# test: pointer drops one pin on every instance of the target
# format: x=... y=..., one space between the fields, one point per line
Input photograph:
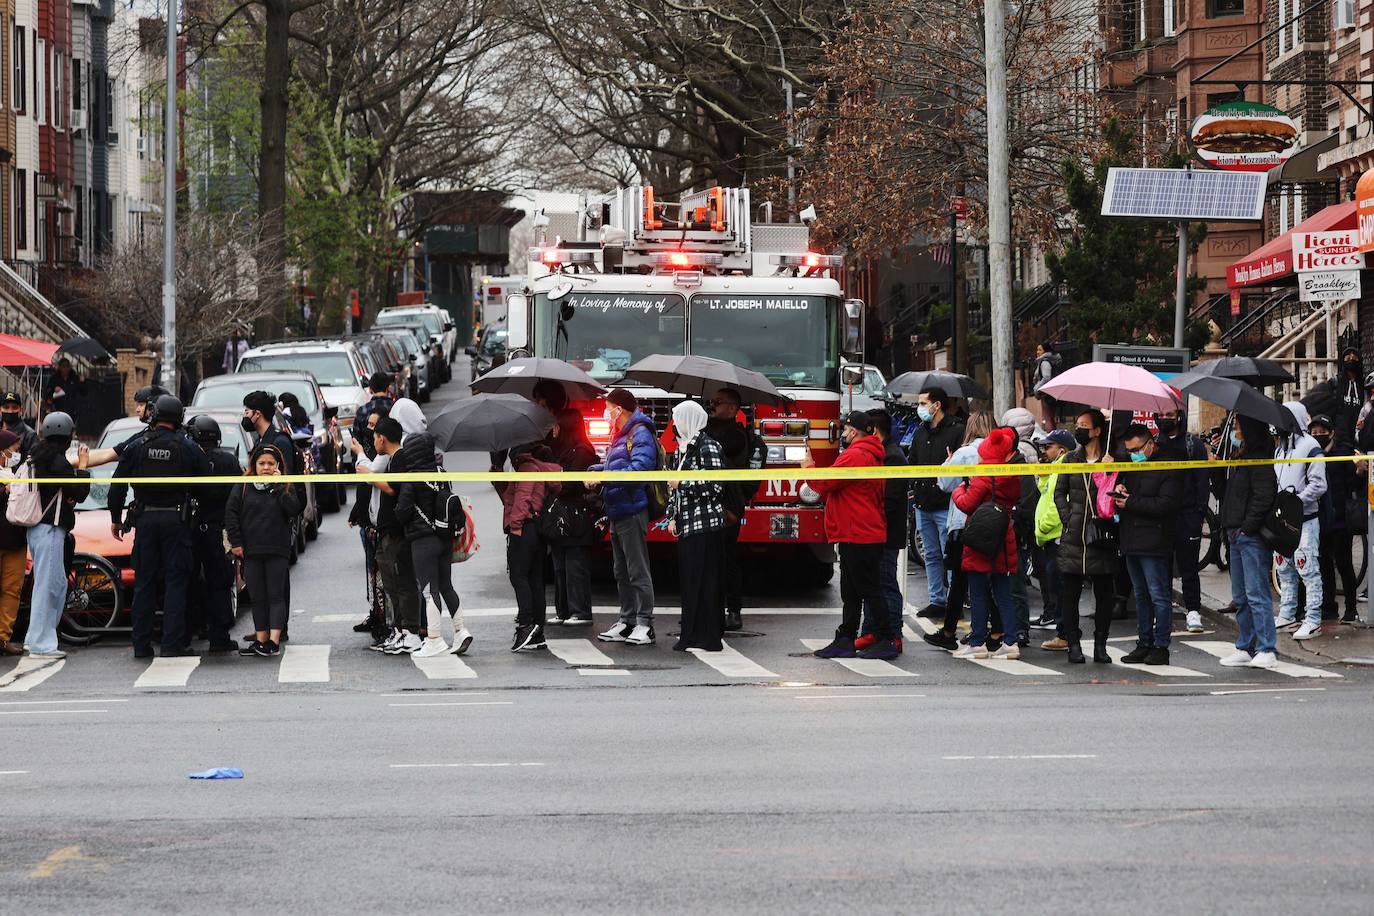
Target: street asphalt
x=763 y=781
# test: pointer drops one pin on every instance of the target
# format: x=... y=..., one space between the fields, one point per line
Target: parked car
x=384 y=354
x=335 y=363
x=436 y=322
x=227 y=391
x=424 y=365
x=490 y=351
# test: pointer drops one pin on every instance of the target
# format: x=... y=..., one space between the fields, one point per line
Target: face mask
x=610 y=416
x=11 y=419
x=248 y=425
x=1323 y=440
x=1139 y=456
x=925 y=413
x=1167 y=425
x=13 y=461
x=1236 y=440
x=1082 y=436
x=1352 y=365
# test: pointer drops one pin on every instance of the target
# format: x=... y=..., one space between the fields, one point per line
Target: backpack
x=564 y=520
x=1282 y=527
x=25 y=508
x=450 y=515
x=656 y=490
x=986 y=529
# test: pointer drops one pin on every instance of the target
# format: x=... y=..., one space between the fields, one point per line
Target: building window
x=40 y=228
x=1140 y=20
x=1346 y=16
x=109 y=106
x=78 y=98
x=21 y=209
x=1216 y=9
x=1284 y=224
x=17 y=56
x=59 y=101
x=1170 y=17
x=1297 y=20
x=40 y=81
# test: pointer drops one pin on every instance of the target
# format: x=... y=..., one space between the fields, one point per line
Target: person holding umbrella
x=521 y=503
x=572 y=577
x=1343 y=518
x=1250 y=493
x=1148 y=503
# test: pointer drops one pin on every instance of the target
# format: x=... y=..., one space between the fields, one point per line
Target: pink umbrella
x=1112 y=386
x=25 y=351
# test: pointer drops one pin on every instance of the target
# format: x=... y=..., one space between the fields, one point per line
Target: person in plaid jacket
x=696 y=517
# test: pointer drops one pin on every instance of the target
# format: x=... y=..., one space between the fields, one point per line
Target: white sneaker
x=1264 y=660
x=1283 y=622
x=1237 y=659
x=407 y=644
x=616 y=633
x=968 y=651
x=1009 y=651
x=462 y=639
x=640 y=636
x=55 y=653
x=430 y=648
x=1194 y=622
x=1307 y=631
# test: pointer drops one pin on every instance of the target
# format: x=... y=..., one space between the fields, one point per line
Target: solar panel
x=1184 y=194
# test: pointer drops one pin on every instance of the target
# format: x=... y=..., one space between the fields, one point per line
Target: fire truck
x=630 y=276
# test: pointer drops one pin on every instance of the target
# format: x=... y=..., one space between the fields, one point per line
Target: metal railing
x=33 y=308
x=1252 y=331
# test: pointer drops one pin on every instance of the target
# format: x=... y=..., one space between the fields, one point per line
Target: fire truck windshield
x=603 y=332
x=793 y=340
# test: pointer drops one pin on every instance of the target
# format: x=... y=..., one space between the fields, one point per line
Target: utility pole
x=999 y=205
x=169 y=210
x=1181 y=284
x=955 y=337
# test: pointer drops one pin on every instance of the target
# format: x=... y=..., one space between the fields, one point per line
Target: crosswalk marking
x=29 y=673
x=304 y=664
x=1223 y=649
x=441 y=667
x=1161 y=670
x=332 y=618
x=1015 y=667
x=729 y=662
x=167 y=672
x=868 y=667
x=603 y=672
x=579 y=652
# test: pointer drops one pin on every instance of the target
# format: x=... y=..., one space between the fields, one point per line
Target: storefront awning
x=1303 y=165
x=1273 y=260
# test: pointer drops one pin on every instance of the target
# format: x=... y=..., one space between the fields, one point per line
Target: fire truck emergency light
x=687 y=259
x=558 y=257
x=810 y=261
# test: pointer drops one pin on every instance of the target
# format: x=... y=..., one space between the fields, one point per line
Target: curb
x=1326 y=653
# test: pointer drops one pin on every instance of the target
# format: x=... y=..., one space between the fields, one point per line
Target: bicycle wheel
x=95 y=600
x=1218 y=550
x=1360 y=549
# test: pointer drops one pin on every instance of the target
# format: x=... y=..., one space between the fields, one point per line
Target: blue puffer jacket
x=625 y=499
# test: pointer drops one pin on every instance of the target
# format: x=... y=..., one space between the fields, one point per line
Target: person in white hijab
x=696 y=517
x=408 y=414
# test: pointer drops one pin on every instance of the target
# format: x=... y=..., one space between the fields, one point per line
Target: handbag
x=465 y=544
x=564 y=520
x=1282 y=526
x=1103 y=503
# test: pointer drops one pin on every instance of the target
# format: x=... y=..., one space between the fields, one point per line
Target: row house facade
x=67 y=71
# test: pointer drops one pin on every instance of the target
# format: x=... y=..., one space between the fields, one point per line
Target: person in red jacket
x=989 y=576
x=856 y=525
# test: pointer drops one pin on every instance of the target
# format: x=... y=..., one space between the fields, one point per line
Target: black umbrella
x=82 y=347
x=490 y=423
x=954 y=384
x=1233 y=394
x=1253 y=370
x=519 y=376
x=702 y=376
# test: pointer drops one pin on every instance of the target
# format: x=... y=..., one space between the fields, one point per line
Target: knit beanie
x=997 y=445
x=622 y=399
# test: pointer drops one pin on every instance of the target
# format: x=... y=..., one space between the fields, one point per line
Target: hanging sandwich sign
x=1364 y=210
x=1244 y=137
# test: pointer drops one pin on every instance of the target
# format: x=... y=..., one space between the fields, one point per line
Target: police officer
x=162 y=539
x=212 y=575
x=143 y=406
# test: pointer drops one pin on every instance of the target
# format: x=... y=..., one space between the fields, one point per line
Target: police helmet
x=149 y=393
x=1369 y=380
x=57 y=425
x=167 y=409
x=205 y=430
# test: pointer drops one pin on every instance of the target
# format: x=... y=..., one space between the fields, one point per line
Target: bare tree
x=221 y=261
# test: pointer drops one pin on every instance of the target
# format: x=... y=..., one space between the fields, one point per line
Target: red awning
x=1274 y=259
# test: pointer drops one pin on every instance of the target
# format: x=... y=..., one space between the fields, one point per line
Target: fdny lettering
x=159 y=454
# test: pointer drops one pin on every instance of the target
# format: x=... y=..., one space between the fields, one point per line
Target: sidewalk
x=1338 y=643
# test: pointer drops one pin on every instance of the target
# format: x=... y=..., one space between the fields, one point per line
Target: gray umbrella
x=519 y=376
x=1254 y=370
x=83 y=347
x=1233 y=394
x=954 y=384
x=702 y=376
x=490 y=423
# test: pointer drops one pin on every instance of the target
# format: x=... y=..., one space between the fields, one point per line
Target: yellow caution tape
x=803 y=474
